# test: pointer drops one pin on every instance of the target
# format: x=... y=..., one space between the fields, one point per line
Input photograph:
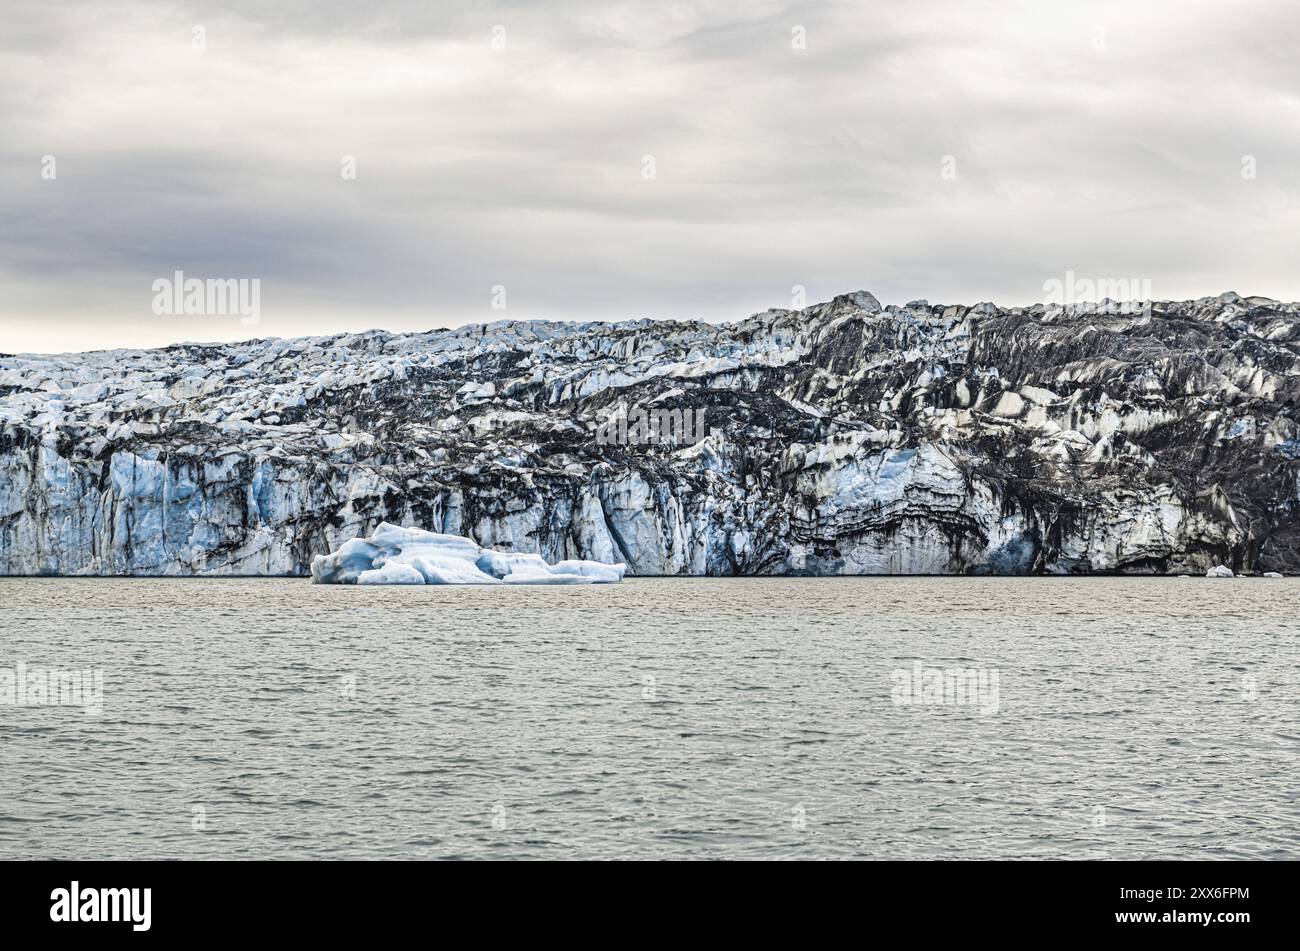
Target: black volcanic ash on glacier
x=843 y=438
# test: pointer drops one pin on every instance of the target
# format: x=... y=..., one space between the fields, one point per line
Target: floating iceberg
x=394 y=555
x=1220 y=571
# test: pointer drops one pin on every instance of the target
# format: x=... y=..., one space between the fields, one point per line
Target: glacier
x=846 y=437
x=396 y=555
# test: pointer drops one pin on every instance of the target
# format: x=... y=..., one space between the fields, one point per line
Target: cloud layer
x=956 y=151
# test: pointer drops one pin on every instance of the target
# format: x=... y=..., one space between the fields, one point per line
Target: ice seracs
x=396 y=555
x=847 y=437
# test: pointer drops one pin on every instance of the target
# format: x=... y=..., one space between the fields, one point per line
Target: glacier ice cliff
x=844 y=438
x=395 y=555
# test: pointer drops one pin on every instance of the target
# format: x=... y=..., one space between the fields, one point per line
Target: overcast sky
x=957 y=151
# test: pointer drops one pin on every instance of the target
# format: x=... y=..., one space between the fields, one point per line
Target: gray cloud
x=1108 y=140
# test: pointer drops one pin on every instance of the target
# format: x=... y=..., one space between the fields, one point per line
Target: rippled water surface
x=658 y=718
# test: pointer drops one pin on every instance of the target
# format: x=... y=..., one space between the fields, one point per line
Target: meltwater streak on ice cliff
x=844 y=438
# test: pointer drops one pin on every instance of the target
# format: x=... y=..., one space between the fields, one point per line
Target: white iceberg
x=1220 y=571
x=395 y=555
x=1273 y=574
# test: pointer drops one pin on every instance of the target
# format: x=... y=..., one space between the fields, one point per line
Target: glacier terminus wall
x=844 y=438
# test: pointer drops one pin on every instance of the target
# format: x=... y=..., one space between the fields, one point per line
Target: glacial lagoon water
x=660 y=718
